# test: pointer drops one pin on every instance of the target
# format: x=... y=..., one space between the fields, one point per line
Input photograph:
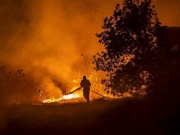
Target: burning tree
x=131 y=48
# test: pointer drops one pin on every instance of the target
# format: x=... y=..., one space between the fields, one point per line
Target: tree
x=131 y=47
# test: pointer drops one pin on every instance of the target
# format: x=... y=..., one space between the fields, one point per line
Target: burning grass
x=63 y=98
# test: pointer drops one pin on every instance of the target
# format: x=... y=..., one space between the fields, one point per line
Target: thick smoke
x=48 y=40
x=52 y=41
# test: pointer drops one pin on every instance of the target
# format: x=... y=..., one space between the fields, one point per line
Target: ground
x=123 y=116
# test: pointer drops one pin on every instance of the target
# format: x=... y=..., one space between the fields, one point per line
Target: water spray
x=90 y=90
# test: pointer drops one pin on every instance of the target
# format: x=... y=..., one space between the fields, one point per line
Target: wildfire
x=75 y=94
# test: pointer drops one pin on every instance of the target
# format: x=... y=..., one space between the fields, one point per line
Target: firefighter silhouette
x=86 y=88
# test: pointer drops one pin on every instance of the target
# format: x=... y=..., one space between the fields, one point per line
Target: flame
x=65 y=97
x=70 y=96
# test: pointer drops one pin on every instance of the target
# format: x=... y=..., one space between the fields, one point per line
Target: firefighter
x=86 y=88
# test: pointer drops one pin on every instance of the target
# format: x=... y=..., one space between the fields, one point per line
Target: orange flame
x=69 y=96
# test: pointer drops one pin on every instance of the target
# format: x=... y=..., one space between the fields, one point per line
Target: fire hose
x=99 y=94
x=73 y=91
x=90 y=90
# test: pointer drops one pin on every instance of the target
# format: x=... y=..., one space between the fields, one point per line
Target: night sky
x=47 y=37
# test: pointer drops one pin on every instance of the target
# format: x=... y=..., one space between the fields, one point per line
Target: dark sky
x=47 y=37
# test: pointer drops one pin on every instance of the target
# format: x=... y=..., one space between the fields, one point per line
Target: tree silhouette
x=131 y=47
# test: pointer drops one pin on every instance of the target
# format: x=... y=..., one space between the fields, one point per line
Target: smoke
x=53 y=42
x=46 y=39
x=168 y=11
